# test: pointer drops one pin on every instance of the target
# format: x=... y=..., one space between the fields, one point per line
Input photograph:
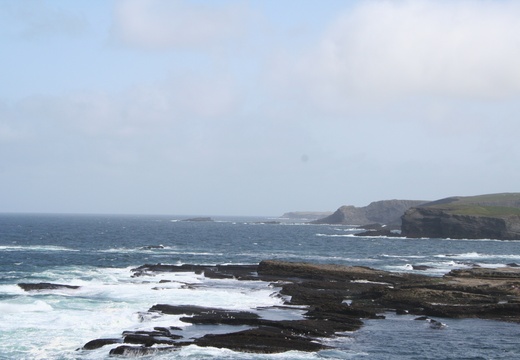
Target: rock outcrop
x=305 y=215
x=45 y=286
x=199 y=219
x=495 y=216
x=337 y=299
x=387 y=212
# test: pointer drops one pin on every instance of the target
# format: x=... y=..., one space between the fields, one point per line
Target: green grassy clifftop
x=495 y=216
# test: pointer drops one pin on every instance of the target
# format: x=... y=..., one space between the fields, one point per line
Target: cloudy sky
x=255 y=107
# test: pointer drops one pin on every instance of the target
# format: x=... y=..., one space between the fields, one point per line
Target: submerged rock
x=135 y=351
x=421 y=267
x=152 y=247
x=381 y=232
x=199 y=219
x=434 y=324
x=45 y=286
x=210 y=271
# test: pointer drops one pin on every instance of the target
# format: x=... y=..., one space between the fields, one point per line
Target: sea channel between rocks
x=336 y=300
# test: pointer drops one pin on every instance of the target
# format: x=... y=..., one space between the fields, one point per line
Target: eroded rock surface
x=45 y=286
x=261 y=340
x=337 y=299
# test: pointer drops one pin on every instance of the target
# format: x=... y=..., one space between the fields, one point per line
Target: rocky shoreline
x=336 y=300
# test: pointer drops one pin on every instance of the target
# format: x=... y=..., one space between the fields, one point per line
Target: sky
x=255 y=107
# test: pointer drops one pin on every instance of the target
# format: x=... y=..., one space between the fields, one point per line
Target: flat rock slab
x=262 y=340
x=487 y=273
x=330 y=272
x=98 y=343
x=242 y=272
x=209 y=312
x=45 y=286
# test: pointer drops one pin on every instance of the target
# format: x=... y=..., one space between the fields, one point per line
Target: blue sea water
x=97 y=253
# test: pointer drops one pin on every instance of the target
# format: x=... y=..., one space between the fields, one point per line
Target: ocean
x=97 y=253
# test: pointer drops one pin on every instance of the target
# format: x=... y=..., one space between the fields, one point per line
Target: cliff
x=387 y=212
x=305 y=215
x=492 y=216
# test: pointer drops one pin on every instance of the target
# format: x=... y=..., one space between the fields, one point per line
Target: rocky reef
x=199 y=219
x=305 y=215
x=336 y=299
x=387 y=212
x=493 y=216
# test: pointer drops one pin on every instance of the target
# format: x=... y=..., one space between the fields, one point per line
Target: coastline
x=336 y=299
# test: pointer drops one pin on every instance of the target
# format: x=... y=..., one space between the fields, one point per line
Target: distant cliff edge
x=386 y=212
x=492 y=216
x=306 y=215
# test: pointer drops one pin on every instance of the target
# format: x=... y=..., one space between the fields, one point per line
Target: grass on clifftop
x=495 y=198
x=492 y=205
x=476 y=210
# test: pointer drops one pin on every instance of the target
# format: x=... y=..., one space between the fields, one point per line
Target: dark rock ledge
x=199 y=219
x=45 y=286
x=338 y=298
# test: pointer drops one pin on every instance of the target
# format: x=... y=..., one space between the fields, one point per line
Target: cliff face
x=495 y=216
x=389 y=211
x=386 y=212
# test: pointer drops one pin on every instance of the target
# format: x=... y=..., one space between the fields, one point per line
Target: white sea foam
x=435 y=268
x=36 y=306
x=476 y=255
x=35 y=248
x=404 y=256
x=355 y=236
x=337 y=235
x=166 y=250
x=475 y=240
x=314 y=258
x=196 y=352
x=488 y=265
x=110 y=301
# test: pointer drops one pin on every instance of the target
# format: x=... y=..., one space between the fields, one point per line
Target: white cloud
x=12 y=128
x=388 y=49
x=33 y=19
x=9 y=134
x=178 y=23
x=147 y=108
